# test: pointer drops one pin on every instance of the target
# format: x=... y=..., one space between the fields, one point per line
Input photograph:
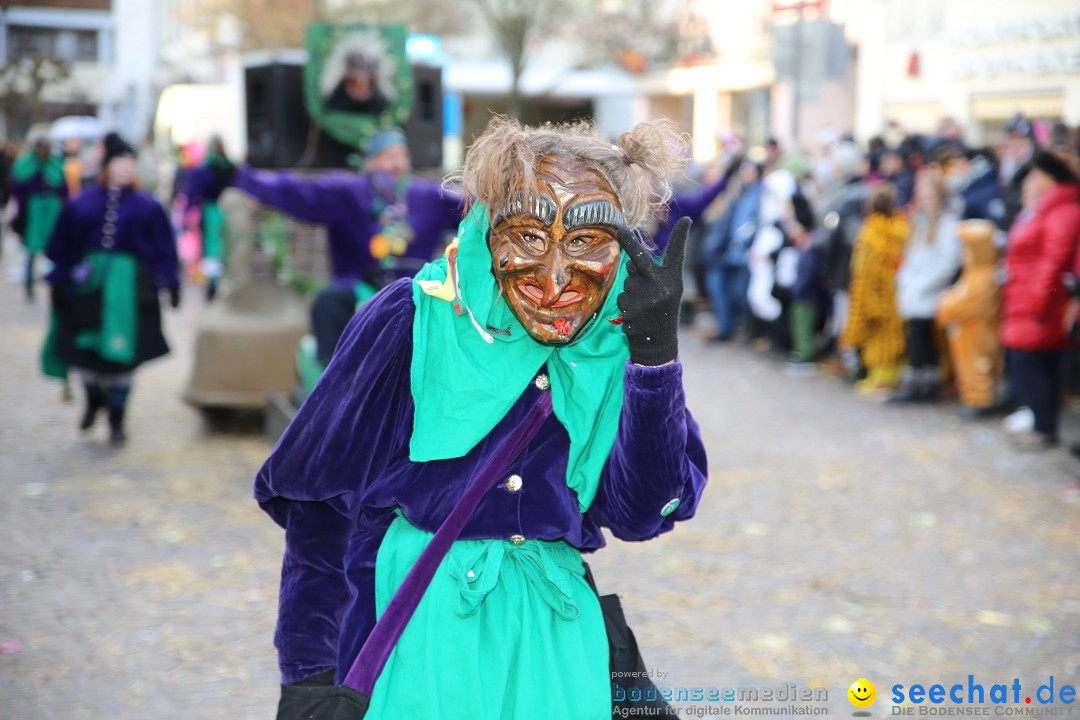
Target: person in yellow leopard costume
x=875 y=329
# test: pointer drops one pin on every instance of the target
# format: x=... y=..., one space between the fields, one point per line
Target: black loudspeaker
x=279 y=132
x=281 y=135
x=424 y=128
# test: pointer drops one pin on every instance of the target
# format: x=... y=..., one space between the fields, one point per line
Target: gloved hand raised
x=652 y=296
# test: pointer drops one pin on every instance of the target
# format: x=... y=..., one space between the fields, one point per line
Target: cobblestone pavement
x=839 y=538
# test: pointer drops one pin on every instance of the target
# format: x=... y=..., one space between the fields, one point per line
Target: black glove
x=652 y=296
x=174 y=296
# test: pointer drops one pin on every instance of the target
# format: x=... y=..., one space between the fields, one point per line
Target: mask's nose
x=556 y=277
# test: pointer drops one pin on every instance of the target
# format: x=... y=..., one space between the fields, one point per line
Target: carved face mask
x=555 y=251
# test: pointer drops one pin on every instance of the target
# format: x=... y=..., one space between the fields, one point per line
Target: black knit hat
x=114 y=147
x=1054 y=166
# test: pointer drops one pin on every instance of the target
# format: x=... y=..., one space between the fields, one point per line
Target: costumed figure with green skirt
x=113 y=253
x=549 y=292
x=39 y=189
x=205 y=186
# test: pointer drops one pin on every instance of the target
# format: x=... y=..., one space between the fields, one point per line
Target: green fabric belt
x=115 y=275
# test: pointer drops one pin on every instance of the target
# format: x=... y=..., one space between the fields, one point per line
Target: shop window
x=70 y=45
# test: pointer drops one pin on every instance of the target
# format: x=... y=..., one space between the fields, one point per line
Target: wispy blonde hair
x=501 y=162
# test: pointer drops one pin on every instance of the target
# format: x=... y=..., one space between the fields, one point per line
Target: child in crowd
x=931 y=263
x=808 y=296
x=970 y=311
x=875 y=330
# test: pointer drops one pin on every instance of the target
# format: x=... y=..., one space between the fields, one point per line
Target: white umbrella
x=86 y=127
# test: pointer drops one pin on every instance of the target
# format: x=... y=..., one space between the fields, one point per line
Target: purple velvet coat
x=343 y=202
x=142 y=229
x=343 y=465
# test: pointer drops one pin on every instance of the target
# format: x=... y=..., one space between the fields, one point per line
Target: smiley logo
x=862 y=693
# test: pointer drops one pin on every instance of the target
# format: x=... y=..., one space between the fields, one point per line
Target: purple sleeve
x=313 y=200
x=65 y=248
x=691 y=204
x=440 y=208
x=658 y=458
x=448 y=204
x=161 y=255
x=312 y=481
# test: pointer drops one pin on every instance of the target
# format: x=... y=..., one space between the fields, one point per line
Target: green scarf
x=42 y=208
x=28 y=165
x=114 y=274
x=465 y=379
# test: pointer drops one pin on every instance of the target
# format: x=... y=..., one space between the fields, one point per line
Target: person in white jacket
x=777 y=189
x=930 y=265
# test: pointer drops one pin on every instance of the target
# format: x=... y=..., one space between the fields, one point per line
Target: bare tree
x=436 y=17
x=22 y=83
x=263 y=23
x=518 y=25
x=641 y=34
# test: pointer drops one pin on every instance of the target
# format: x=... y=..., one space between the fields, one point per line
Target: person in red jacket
x=1040 y=252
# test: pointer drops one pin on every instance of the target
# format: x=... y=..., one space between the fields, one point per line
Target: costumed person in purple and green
x=548 y=288
x=382 y=224
x=39 y=189
x=113 y=252
x=205 y=186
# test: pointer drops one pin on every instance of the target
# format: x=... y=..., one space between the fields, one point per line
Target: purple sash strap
x=369 y=663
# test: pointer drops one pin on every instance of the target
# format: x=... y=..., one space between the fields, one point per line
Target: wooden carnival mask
x=555 y=252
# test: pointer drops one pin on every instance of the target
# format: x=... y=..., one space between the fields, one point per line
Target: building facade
x=78 y=33
x=977 y=61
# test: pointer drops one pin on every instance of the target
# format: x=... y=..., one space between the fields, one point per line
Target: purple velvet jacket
x=343 y=202
x=342 y=466
x=142 y=229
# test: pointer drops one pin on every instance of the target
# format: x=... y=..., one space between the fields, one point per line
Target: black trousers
x=1038 y=379
x=331 y=311
x=922 y=352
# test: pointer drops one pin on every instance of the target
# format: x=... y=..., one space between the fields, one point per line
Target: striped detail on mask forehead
x=536 y=206
x=593 y=212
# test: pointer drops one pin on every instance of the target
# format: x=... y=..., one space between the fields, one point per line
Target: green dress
x=504 y=632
